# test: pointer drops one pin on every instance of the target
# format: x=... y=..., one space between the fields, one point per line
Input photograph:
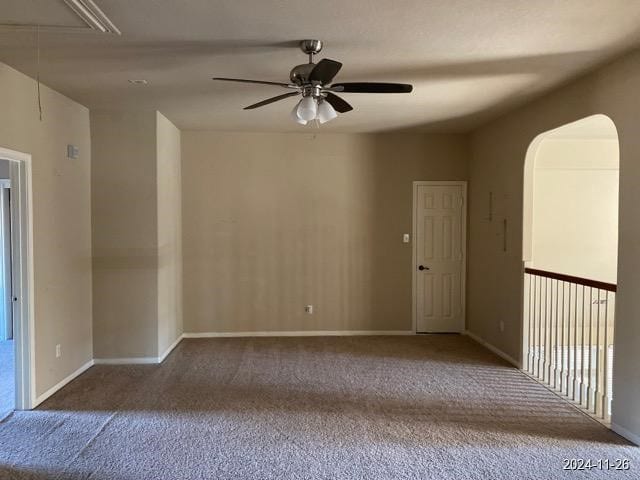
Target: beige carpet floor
x=424 y=407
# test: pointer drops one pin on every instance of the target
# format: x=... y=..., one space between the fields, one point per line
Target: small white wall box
x=405 y=238
x=73 y=151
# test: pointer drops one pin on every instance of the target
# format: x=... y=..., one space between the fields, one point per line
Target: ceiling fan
x=313 y=81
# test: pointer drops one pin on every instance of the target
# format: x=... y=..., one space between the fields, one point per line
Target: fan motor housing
x=300 y=73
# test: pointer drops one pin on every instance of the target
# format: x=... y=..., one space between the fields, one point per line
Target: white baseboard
x=139 y=360
x=623 y=432
x=494 y=349
x=301 y=333
x=170 y=349
x=62 y=383
x=127 y=361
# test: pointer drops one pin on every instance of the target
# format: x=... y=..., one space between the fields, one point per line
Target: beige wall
x=495 y=277
x=273 y=222
x=575 y=207
x=137 y=248
x=125 y=237
x=61 y=220
x=169 y=197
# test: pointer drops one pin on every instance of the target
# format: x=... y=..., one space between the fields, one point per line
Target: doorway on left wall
x=7 y=343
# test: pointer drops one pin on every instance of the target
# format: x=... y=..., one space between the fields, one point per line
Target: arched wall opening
x=570 y=251
x=573 y=169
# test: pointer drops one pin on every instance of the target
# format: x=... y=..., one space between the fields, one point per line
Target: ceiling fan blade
x=271 y=100
x=337 y=103
x=242 y=80
x=324 y=71
x=371 y=87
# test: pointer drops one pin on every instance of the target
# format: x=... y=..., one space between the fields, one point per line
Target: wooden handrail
x=587 y=282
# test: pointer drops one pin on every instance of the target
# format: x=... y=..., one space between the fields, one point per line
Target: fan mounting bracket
x=311 y=47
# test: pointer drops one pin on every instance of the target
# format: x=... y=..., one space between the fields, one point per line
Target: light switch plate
x=405 y=238
x=73 y=152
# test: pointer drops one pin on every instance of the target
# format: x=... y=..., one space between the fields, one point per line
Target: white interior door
x=439 y=256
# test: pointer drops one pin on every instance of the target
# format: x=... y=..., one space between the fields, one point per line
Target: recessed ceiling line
x=95 y=19
x=88 y=11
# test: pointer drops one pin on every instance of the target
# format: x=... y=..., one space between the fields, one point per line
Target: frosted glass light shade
x=294 y=115
x=326 y=112
x=307 y=108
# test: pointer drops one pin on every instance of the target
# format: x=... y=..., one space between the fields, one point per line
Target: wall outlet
x=58 y=351
x=501 y=326
x=308 y=309
x=405 y=238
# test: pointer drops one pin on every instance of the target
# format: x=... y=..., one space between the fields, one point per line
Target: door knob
x=422 y=267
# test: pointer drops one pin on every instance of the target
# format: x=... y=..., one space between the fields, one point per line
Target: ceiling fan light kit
x=296 y=117
x=307 y=109
x=313 y=82
x=326 y=112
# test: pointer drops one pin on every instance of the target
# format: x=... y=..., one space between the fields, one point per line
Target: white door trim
x=23 y=278
x=463 y=276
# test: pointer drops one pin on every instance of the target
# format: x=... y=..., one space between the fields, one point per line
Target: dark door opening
x=7 y=342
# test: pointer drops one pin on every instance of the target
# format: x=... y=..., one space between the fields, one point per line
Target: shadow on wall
x=273 y=222
x=508 y=82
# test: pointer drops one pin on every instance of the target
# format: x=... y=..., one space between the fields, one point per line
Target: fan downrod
x=300 y=73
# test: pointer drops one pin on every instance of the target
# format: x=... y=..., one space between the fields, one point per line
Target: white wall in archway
x=572 y=200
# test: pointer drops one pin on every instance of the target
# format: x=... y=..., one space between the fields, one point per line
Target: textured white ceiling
x=468 y=60
x=39 y=12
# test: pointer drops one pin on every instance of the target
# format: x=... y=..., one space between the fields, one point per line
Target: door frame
x=414 y=255
x=22 y=276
